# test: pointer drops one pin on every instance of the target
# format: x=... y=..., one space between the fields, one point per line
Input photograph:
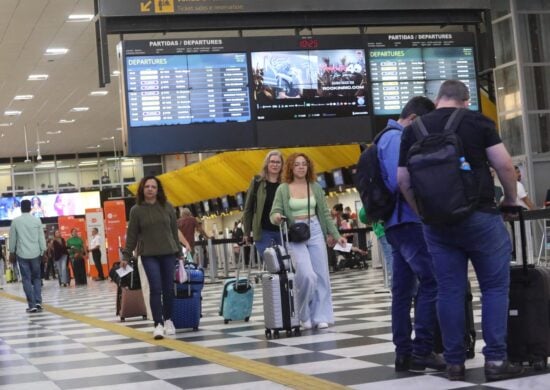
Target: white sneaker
x=158 y=333
x=169 y=328
x=306 y=325
x=322 y=325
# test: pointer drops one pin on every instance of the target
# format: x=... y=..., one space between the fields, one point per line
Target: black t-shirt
x=270 y=189
x=477 y=133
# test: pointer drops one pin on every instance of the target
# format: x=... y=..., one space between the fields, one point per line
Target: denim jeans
x=160 y=274
x=482 y=237
x=62 y=274
x=268 y=236
x=312 y=276
x=412 y=262
x=32 y=283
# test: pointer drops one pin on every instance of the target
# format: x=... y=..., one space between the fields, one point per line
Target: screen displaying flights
x=407 y=65
x=309 y=83
x=182 y=89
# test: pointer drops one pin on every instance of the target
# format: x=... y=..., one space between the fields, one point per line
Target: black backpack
x=444 y=193
x=378 y=200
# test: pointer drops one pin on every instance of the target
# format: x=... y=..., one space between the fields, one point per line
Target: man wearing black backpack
x=411 y=260
x=455 y=199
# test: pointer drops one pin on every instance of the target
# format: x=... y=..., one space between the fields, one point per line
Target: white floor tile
x=326 y=366
x=67 y=358
x=17 y=370
x=424 y=382
x=151 y=357
x=90 y=372
x=199 y=370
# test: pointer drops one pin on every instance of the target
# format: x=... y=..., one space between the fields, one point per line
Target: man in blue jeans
x=411 y=260
x=481 y=237
x=27 y=245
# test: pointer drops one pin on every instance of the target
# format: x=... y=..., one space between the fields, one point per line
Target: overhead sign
x=114 y=8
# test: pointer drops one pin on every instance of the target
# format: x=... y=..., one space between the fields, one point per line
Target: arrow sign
x=145 y=6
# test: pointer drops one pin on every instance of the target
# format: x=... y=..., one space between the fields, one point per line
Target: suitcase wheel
x=195 y=328
x=276 y=334
x=289 y=333
x=144 y=317
x=246 y=319
x=226 y=322
x=267 y=334
x=297 y=332
x=122 y=319
x=470 y=353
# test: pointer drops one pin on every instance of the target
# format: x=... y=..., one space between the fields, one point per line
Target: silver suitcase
x=276 y=257
x=280 y=307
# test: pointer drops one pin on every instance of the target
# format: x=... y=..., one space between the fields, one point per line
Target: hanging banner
x=94 y=219
x=67 y=224
x=115 y=228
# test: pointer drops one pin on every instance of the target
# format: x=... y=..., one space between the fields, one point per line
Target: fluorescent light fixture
x=54 y=51
x=6 y=124
x=118 y=129
x=54 y=132
x=37 y=77
x=12 y=113
x=80 y=17
x=115 y=73
x=93 y=147
x=107 y=138
x=99 y=93
x=79 y=109
x=67 y=120
x=23 y=97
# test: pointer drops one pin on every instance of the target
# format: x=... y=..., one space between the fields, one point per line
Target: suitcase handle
x=518 y=211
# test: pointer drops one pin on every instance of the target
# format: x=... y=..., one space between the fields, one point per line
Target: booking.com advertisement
x=50 y=205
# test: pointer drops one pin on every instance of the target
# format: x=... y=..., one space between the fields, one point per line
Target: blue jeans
x=482 y=237
x=160 y=274
x=312 y=276
x=32 y=283
x=268 y=236
x=412 y=262
x=62 y=274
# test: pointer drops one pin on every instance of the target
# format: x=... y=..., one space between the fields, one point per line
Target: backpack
x=378 y=200
x=445 y=191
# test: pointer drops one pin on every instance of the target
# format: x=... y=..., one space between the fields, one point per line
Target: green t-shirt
x=75 y=244
x=378 y=229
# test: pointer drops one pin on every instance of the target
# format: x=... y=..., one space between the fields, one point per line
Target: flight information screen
x=187 y=88
x=407 y=65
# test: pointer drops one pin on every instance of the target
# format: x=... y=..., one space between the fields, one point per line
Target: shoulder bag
x=299 y=231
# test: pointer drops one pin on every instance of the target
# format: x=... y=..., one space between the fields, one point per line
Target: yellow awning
x=230 y=172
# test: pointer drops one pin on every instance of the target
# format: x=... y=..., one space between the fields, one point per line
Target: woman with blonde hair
x=259 y=200
x=301 y=199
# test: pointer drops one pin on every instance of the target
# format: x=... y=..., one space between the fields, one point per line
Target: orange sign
x=68 y=223
x=115 y=228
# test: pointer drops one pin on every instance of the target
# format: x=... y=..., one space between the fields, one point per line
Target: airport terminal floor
x=77 y=342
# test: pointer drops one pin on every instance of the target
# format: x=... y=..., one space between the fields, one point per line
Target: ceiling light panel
x=12 y=113
x=79 y=109
x=66 y=120
x=6 y=124
x=23 y=97
x=80 y=17
x=54 y=51
x=37 y=77
x=99 y=93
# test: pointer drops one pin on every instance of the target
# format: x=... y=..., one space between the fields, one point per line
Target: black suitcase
x=79 y=270
x=529 y=310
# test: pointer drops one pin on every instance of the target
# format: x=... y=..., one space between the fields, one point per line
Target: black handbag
x=299 y=231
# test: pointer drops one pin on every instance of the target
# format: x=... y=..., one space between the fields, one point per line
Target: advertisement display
x=114 y=212
x=50 y=205
x=94 y=219
x=67 y=224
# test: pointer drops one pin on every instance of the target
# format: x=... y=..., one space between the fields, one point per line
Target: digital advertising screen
x=309 y=83
x=50 y=205
x=406 y=65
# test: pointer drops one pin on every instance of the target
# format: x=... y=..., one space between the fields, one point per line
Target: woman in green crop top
x=310 y=257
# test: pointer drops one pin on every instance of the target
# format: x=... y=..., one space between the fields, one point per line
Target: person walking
x=410 y=269
x=259 y=199
x=60 y=257
x=95 y=248
x=480 y=235
x=153 y=225
x=27 y=245
x=301 y=199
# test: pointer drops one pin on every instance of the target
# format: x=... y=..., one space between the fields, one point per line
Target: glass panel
x=539 y=129
x=503 y=40
x=5 y=180
x=507 y=90
x=511 y=134
x=534 y=30
x=89 y=172
x=533 y=5
x=537 y=85
x=45 y=178
x=23 y=167
x=24 y=183
x=130 y=169
x=499 y=8
x=67 y=174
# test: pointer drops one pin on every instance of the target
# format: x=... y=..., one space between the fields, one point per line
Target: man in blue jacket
x=412 y=264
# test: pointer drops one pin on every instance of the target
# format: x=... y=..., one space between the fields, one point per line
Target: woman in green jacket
x=259 y=200
x=310 y=257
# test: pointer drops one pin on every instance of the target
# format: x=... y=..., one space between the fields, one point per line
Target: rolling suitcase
x=186 y=307
x=130 y=302
x=79 y=270
x=279 y=298
x=529 y=309
x=237 y=295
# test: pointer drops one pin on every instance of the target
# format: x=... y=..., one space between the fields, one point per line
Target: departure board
x=187 y=88
x=407 y=65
